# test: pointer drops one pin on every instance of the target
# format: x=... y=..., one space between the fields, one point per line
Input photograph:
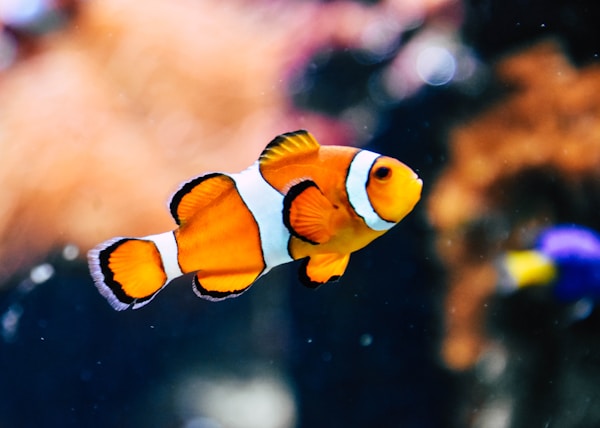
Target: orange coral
x=531 y=160
x=101 y=121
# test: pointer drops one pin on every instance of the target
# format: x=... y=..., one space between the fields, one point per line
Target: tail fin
x=129 y=272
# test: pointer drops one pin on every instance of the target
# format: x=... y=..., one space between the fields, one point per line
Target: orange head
x=393 y=188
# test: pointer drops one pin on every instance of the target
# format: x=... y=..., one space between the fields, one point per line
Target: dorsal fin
x=197 y=194
x=286 y=146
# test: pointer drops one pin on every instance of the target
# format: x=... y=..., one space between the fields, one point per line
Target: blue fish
x=565 y=257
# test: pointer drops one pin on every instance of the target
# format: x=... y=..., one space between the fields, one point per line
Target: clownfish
x=298 y=201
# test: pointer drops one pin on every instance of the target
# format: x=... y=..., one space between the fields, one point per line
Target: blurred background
x=106 y=106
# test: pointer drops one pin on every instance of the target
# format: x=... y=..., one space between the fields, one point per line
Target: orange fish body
x=298 y=201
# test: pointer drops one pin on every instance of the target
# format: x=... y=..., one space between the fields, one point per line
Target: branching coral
x=531 y=160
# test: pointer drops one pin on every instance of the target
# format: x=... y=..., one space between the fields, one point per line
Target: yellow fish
x=298 y=201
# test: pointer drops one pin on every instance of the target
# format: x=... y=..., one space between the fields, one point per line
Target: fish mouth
x=419 y=183
x=412 y=193
x=415 y=178
x=417 y=189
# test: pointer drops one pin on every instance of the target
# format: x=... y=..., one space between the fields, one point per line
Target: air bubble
x=366 y=340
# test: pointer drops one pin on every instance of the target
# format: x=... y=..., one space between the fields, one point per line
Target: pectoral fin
x=307 y=213
x=319 y=269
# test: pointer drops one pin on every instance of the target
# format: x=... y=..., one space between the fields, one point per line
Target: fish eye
x=382 y=173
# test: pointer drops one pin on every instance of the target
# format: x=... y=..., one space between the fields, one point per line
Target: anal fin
x=322 y=268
